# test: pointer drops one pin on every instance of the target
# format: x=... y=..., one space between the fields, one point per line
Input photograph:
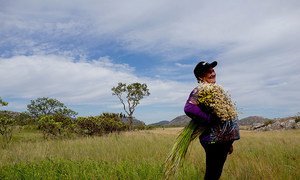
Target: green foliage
x=133 y=94
x=6 y=124
x=58 y=125
x=3 y=103
x=297 y=119
x=86 y=169
x=55 y=125
x=99 y=125
x=21 y=119
x=139 y=127
x=48 y=106
x=6 y=128
x=24 y=118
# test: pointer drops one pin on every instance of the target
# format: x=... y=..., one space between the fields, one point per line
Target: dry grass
x=140 y=155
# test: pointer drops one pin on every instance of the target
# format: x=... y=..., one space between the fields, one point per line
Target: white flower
x=217 y=101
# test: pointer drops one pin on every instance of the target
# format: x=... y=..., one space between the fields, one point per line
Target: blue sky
x=75 y=51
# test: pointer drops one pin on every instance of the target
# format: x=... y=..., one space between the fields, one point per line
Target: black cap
x=202 y=67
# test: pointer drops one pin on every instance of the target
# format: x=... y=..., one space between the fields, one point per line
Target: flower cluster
x=217 y=101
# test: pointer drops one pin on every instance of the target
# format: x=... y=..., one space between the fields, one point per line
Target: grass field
x=140 y=155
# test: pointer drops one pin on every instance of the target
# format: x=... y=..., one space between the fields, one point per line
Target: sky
x=76 y=50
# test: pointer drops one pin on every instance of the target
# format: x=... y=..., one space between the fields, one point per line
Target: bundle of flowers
x=216 y=101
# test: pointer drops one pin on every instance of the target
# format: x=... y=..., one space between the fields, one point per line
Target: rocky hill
x=160 y=123
x=135 y=122
x=277 y=124
x=250 y=123
x=180 y=121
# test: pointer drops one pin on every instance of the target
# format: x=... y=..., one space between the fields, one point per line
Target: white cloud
x=56 y=76
x=256 y=43
x=173 y=29
x=80 y=82
x=268 y=82
x=180 y=65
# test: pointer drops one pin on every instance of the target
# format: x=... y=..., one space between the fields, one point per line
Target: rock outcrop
x=277 y=125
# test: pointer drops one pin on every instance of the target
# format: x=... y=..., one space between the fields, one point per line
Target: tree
x=3 y=103
x=133 y=94
x=6 y=128
x=47 y=106
x=6 y=125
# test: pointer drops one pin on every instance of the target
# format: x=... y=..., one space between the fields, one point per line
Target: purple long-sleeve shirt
x=194 y=111
x=217 y=131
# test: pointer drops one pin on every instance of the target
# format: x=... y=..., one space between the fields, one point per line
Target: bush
x=25 y=119
x=297 y=119
x=140 y=127
x=6 y=128
x=55 y=125
x=21 y=119
x=99 y=125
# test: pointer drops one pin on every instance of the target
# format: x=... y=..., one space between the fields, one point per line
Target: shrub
x=87 y=126
x=24 y=119
x=99 y=125
x=140 y=127
x=297 y=118
x=56 y=125
x=6 y=128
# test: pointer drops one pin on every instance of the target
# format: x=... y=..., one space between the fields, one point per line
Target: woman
x=218 y=136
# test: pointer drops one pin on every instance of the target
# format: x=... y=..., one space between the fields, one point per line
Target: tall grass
x=141 y=154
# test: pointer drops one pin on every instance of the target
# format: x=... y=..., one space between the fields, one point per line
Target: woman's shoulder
x=195 y=91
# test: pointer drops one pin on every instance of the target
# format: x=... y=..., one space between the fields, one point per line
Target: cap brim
x=213 y=64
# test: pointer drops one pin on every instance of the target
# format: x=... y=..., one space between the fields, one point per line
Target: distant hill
x=160 y=123
x=183 y=120
x=278 y=124
x=248 y=121
x=135 y=122
x=180 y=121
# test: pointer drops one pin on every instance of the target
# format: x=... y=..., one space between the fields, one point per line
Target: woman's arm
x=193 y=110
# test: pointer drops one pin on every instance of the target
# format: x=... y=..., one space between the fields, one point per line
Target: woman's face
x=209 y=76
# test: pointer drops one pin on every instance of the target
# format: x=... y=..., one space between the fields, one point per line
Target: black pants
x=216 y=155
